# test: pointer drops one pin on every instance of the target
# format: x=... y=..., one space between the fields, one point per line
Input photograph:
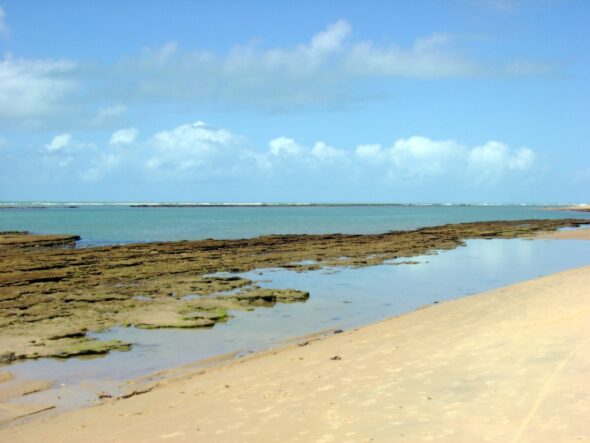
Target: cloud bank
x=194 y=152
x=329 y=70
x=32 y=89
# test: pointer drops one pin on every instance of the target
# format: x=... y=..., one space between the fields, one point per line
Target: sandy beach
x=509 y=365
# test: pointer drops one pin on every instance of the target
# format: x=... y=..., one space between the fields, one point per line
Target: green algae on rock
x=264 y=296
x=91 y=347
x=23 y=239
x=51 y=295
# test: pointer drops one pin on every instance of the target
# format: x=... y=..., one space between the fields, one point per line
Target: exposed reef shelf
x=50 y=296
x=24 y=239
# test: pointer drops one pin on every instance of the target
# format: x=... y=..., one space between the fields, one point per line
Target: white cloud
x=301 y=60
x=322 y=151
x=298 y=154
x=33 y=88
x=285 y=146
x=429 y=57
x=195 y=137
x=247 y=75
x=63 y=150
x=101 y=165
x=322 y=72
x=65 y=161
x=4 y=30
x=108 y=114
x=414 y=158
x=198 y=150
x=260 y=160
x=329 y=40
x=493 y=159
x=195 y=151
x=370 y=152
x=123 y=137
x=421 y=158
x=191 y=147
x=522 y=160
x=59 y=142
x=317 y=72
x=160 y=55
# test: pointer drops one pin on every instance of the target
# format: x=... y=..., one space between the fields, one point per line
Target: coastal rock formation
x=51 y=295
x=22 y=239
x=261 y=296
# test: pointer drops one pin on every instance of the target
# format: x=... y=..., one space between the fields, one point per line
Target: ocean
x=101 y=224
x=339 y=297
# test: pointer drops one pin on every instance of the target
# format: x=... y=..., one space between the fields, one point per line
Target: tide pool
x=339 y=298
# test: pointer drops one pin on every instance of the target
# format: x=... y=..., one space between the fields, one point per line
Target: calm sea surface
x=123 y=224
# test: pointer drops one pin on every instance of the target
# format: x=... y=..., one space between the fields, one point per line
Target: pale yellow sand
x=510 y=365
x=573 y=234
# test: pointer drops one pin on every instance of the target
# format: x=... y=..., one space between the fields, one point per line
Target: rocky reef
x=52 y=294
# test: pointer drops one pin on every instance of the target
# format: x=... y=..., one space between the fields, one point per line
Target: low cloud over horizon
x=196 y=152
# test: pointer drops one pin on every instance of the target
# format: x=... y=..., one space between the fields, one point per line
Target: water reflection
x=343 y=299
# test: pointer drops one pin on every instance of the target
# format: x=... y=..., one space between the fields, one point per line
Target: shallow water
x=120 y=224
x=340 y=298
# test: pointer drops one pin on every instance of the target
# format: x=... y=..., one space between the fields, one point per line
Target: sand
x=573 y=234
x=509 y=365
x=576 y=208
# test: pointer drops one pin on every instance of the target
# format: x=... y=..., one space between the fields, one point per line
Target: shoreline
x=136 y=387
x=578 y=208
x=51 y=298
x=512 y=354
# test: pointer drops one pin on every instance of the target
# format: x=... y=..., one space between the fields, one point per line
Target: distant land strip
x=75 y=205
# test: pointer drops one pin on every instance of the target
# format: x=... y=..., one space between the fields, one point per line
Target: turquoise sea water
x=123 y=224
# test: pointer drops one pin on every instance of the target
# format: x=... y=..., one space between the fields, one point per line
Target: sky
x=480 y=101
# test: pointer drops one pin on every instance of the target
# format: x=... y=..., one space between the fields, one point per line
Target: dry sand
x=510 y=365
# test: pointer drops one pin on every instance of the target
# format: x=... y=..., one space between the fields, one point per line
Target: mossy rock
x=91 y=347
x=263 y=296
x=182 y=323
x=216 y=315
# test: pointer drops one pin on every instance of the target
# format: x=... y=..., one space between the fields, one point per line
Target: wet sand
x=509 y=365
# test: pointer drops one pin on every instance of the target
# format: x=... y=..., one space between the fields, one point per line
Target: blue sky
x=425 y=101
